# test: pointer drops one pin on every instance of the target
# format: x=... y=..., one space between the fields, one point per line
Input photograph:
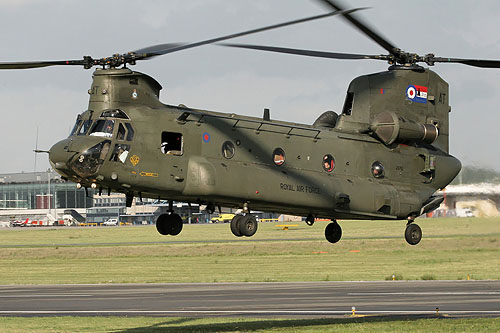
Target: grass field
x=370 y=250
x=148 y=324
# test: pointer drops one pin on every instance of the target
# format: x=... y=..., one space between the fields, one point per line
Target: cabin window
x=116 y=113
x=120 y=153
x=349 y=99
x=171 y=143
x=103 y=128
x=279 y=156
x=228 y=149
x=85 y=127
x=378 y=170
x=328 y=163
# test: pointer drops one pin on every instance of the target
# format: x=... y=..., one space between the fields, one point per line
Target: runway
x=299 y=299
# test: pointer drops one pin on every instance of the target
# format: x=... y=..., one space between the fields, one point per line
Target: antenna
x=36 y=149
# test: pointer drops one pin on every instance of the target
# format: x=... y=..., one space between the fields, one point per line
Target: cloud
x=19 y=3
x=52 y=109
x=292 y=99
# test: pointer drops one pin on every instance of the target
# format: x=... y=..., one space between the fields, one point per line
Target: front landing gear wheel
x=235 y=225
x=310 y=220
x=333 y=232
x=413 y=234
x=169 y=224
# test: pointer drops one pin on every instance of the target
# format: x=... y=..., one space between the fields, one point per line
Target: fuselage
x=131 y=143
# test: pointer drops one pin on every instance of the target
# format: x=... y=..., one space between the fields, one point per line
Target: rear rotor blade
x=363 y=27
x=483 y=63
x=309 y=53
x=157 y=50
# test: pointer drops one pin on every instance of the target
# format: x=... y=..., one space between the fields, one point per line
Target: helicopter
x=382 y=158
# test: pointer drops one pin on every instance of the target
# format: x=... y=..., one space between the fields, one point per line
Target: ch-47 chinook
x=384 y=157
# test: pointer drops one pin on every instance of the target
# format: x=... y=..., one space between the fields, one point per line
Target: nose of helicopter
x=58 y=155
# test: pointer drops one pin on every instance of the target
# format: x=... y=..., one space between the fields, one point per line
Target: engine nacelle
x=390 y=127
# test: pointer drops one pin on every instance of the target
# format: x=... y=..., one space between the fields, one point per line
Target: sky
x=295 y=88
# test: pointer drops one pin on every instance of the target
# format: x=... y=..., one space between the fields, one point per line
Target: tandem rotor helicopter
x=382 y=158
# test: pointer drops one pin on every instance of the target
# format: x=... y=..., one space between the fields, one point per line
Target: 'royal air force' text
x=299 y=188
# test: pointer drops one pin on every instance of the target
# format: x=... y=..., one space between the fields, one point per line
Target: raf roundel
x=411 y=92
x=417 y=93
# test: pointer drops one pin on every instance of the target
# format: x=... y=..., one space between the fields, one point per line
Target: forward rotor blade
x=309 y=53
x=157 y=50
x=363 y=27
x=38 y=64
x=470 y=62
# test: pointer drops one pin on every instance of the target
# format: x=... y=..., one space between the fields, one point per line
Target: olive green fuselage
x=231 y=160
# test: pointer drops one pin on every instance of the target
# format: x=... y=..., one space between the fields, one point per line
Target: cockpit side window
x=349 y=99
x=120 y=153
x=171 y=143
x=130 y=132
x=121 y=132
x=85 y=127
x=103 y=128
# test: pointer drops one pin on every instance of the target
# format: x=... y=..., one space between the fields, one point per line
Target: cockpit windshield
x=103 y=128
x=85 y=127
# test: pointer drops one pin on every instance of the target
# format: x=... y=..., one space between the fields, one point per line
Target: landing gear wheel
x=333 y=232
x=413 y=234
x=248 y=225
x=175 y=225
x=310 y=220
x=169 y=224
x=235 y=225
x=161 y=224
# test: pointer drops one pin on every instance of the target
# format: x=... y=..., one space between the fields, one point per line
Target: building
x=36 y=190
x=44 y=196
x=37 y=194
x=480 y=200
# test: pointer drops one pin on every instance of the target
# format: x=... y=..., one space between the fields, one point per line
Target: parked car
x=110 y=222
x=222 y=218
x=466 y=212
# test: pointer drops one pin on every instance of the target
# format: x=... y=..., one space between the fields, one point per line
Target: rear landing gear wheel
x=169 y=224
x=175 y=224
x=248 y=225
x=235 y=225
x=413 y=234
x=333 y=232
x=310 y=220
x=161 y=224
